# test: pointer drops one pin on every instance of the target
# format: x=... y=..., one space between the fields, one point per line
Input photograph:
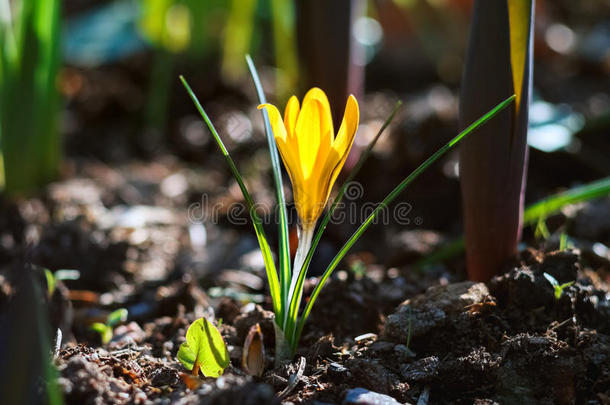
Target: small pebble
x=362 y=396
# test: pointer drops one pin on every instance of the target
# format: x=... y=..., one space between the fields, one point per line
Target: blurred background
x=130 y=161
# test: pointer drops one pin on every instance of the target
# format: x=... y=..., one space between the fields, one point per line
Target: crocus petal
x=288 y=152
x=290 y=115
x=291 y=161
x=345 y=139
x=277 y=125
x=312 y=155
x=327 y=119
x=313 y=145
x=349 y=125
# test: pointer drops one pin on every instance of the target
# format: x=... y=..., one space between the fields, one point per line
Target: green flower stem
x=305 y=237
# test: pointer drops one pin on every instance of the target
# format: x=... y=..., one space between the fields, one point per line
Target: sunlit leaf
x=204 y=350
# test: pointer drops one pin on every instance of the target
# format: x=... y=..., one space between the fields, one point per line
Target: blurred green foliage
x=29 y=100
x=178 y=26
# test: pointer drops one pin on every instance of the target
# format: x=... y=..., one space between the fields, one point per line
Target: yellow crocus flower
x=311 y=152
x=313 y=157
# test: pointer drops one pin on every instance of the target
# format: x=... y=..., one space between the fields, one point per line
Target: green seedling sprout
x=410 y=331
x=288 y=324
x=59 y=275
x=564 y=243
x=556 y=286
x=204 y=350
x=106 y=330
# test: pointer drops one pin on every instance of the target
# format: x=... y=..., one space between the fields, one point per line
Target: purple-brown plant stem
x=493 y=163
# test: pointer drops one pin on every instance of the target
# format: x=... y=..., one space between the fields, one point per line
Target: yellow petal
x=291 y=114
x=349 y=125
x=345 y=139
x=291 y=160
x=277 y=125
x=286 y=146
x=327 y=119
x=313 y=143
x=312 y=155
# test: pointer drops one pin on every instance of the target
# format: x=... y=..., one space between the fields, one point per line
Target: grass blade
x=386 y=201
x=258 y=225
x=554 y=203
x=532 y=214
x=295 y=302
x=284 y=244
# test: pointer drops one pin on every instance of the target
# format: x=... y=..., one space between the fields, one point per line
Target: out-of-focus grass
x=29 y=100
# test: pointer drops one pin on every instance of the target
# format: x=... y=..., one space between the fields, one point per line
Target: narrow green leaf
x=284 y=243
x=272 y=276
x=554 y=203
x=117 y=317
x=542 y=232
x=204 y=349
x=389 y=199
x=295 y=302
x=563 y=241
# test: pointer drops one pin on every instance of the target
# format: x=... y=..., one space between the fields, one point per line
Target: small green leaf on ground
x=104 y=330
x=116 y=317
x=556 y=286
x=204 y=350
